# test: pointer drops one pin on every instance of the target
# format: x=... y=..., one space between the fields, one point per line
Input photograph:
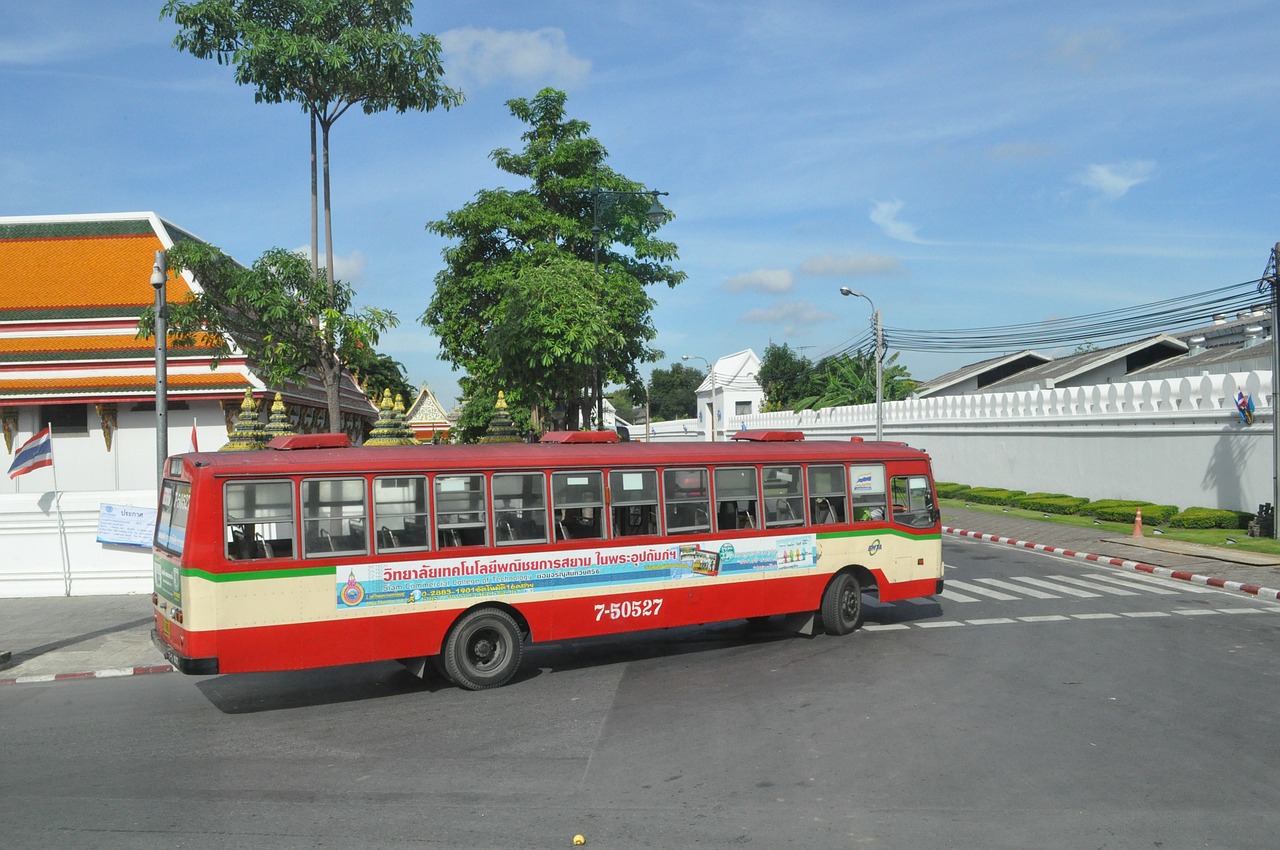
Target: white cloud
x=481 y=57
x=885 y=216
x=349 y=268
x=762 y=280
x=793 y=317
x=830 y=265
x=39 y=51
x=1085 y=49
x=1113 y=181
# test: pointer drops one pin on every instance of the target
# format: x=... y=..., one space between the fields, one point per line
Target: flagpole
x=62 y=525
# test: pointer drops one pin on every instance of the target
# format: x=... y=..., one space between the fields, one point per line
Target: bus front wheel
x=483 y=650
x=842 y=605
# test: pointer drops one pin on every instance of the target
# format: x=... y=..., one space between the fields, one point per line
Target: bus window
x=171 y=528
x=333 y=517
x=688 y=500
x=633 y=495
x=460 y=511
x=912 y=501
x=578 y=500
x=258 y=520
x=868 y=492
x=400 y=513
x=783 y=496
x=736 y=498
x=519 y=508
x=826 y=495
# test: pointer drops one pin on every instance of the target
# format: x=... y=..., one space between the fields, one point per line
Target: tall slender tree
x=327 y=56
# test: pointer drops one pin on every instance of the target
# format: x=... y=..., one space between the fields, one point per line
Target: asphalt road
x=1040 y=702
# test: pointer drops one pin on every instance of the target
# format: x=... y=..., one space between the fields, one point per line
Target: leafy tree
x=846 y=379
x=478 y=411
x=286 y=320
x=624 y=404
x=327 y=55
x=786 y=377
x=519 y=304
x=376 y=372
x=673 y=392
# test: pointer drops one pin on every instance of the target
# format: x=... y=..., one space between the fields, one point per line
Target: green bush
x=1050 y=503
x=1125 y=510
x=1210 y=518
x=992 y=495
x=948 y=490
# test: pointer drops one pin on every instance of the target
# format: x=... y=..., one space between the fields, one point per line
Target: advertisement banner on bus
x=368 y=585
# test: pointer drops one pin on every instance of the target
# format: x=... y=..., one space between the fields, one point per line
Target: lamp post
x=159 y=274
x=711 y=369
x=879 y=334
x=656 y=214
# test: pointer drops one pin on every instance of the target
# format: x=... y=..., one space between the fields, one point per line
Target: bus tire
x=483 y=649
x=842 y=610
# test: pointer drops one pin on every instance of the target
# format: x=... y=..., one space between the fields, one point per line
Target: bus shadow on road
x=905 y=611
x=563 y=656
x=250 y=693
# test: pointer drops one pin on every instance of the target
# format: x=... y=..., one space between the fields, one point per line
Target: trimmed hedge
x=1125 y=510
x=1050 y=503
x=948 y=490
x=992 y=495
x=1210 y=518
x=1111 y=510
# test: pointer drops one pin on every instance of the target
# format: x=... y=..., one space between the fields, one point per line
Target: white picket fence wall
x=1177 y=441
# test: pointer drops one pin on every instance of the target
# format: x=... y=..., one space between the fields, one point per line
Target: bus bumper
x=183 y=663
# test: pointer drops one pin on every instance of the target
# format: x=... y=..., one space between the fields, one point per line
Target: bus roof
x=503 y=456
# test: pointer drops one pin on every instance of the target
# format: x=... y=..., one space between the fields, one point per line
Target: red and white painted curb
x=1165 y=572
x=96 y=674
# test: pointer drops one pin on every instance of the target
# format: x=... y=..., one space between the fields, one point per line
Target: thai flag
x=193 y=444
x=33 y=454
x=1244 y=404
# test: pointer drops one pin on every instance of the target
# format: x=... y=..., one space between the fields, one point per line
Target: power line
x=1105 y=327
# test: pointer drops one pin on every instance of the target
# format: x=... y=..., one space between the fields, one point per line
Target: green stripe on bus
x=259 y=575
x=878 y=532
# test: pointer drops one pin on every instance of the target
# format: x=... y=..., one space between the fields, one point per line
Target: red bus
x=313 y=553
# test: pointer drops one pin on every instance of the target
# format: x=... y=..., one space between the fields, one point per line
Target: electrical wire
x=1101 y=328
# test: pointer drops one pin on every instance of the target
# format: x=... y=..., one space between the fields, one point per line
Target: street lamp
x=879 y=334
x=711 y=369
x=159 y=274
x=656 y=214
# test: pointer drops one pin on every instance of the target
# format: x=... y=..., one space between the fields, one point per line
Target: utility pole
x=1272 y=279
x=159 y=275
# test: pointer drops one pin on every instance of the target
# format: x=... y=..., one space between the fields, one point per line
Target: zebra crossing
x=1086 y=589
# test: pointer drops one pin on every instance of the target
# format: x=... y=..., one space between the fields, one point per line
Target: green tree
x=286 y=320
x=786 y=377
x=327 y=55
x=376 y=372
x=846 y=379
x=624 y=403
x=478 y=411
x=518 y=304
x=673 y=392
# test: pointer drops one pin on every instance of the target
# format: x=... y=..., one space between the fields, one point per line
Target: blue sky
x=964 y=164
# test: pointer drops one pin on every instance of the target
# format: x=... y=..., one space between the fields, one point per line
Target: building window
x=65 y=418
x=742 y=408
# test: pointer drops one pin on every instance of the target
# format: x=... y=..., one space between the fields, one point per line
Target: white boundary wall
x=1176 y=441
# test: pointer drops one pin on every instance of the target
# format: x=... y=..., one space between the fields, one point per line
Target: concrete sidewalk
x=83 y=637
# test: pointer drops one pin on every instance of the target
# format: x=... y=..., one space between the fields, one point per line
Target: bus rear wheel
x=842 y=605
x=483 y=649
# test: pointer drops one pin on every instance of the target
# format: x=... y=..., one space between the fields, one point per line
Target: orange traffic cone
x=1137 y=523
